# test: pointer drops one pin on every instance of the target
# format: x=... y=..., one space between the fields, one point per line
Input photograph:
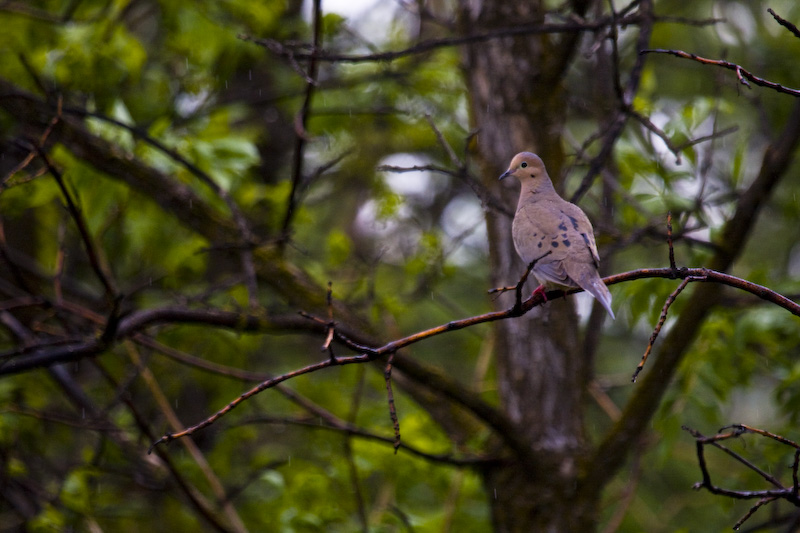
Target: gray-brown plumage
x=544 y=223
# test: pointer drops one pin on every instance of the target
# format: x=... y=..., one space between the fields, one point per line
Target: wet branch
x=785 y=23
x=742 y=74
x=368 y=354
x=302 y=51
x=300 y=122
x=779 y=492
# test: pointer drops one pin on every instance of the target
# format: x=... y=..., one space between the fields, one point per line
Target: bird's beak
x=506 y=174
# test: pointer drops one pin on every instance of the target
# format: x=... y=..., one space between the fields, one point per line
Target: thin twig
x=80 y=223
x=61 y=256
x=704 y=138
x=488 y=200
x=753 y=509
x=169 y=437
x=27 y=159
x=302 y=51
x=785 y=23
x=348 y=451
x=667 y=19
x=191 y=447
x=301 y=119
x=795 y=484
x=664 y=310
x=647 y=123
x=443 y=143
x=614 y=129
x=387 y=375
x=331 y=326
x=741 y=74
x=354 y=431
x=672 y=264
x=613 y=37
x=744 y=428
x=518 y=287
x=764 y=496
x=195 y=496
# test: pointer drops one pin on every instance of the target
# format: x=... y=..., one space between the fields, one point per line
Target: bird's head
x=525 y=166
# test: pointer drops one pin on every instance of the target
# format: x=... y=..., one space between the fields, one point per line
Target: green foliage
x=178 y=72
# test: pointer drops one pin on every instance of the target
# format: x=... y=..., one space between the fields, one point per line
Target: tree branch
x=785 y=23
x=369 y=354
x=355 y=431
x=790 y=494
x=301 y=120
x=77 y=217
x=614 y=129
x=294 y=51
x=742 y=74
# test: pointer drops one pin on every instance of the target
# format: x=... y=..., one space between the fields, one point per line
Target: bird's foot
x=541 y=292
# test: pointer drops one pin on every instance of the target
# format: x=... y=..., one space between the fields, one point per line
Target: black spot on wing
x=562 y=226
x=574 y=223
x=566 y=243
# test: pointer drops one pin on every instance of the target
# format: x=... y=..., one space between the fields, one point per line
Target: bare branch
x=742 y=74
x=687 y=21
x=169 y=437
x=355 y=431
x=785 y=23
x=672 y=264
x=296 y=51
x=790 y=494
x=613 y=130
x=368 y=354
x=518 y=287
x=488 y=200
x=137 y=321
x=704 y=138
x=387 y=376
x=301 y=119
x=88 y=243
x=443 y=143
x=664 y=310
x=191 y=447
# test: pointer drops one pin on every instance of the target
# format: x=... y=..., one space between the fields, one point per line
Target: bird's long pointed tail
x=601 y=293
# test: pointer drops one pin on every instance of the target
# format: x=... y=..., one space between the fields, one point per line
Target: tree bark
x=517 y=105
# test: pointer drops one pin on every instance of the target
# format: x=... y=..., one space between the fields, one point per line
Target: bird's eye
x=524 y=164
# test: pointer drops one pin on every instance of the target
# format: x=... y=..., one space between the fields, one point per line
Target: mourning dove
x=544 y=223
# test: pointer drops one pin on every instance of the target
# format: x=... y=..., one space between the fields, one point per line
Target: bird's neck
x=534 y=192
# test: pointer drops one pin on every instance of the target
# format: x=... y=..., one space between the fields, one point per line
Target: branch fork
x=790 y=494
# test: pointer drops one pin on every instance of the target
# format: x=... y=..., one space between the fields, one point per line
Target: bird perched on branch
x=557 y=233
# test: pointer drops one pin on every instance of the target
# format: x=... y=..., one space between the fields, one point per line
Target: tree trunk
x=517 y=105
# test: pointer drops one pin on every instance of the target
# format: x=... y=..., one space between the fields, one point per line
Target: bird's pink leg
x=541 y=292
